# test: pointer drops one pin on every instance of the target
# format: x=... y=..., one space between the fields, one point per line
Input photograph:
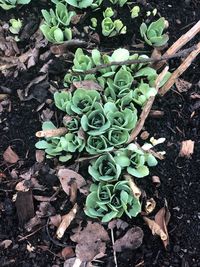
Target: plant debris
x=91 y=241
x=187 y=148
x=131 y=240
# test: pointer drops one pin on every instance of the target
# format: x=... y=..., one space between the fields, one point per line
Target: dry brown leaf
x=131 y=240
x=195 y=95
x=162 y=218
x=66 y=220
x=10 y=156
x=91 y=241
x=88 y=85
x=67 y=177
x=187 y=148
x=6 y=243
x=182 y=85
x=44 y=198
x=155 y=228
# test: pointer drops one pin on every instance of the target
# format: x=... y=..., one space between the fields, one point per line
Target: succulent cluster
x=56 y=26
x=99 y=121
x=111 y=196
x=112 y=27
x=8 y=4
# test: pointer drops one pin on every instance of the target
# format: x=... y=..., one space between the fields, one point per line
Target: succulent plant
x=153 y=34
x=108 y=201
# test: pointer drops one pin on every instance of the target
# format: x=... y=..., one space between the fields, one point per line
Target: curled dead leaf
x=187 y=148
x=10 y=156
x=136 y=191
x=150 y=205
x=131 y=240
x=66 y=221
x=162 y=218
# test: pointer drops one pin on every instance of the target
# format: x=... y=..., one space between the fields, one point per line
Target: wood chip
x=25 y=207
x=66 y=221
x=187 y=148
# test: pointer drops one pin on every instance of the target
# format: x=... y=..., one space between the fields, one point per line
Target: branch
x=183 y=40
x=182 y=68
x=147 y=108
x=182 y=53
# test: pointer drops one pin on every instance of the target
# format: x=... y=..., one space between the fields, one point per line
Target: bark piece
x=25 y=207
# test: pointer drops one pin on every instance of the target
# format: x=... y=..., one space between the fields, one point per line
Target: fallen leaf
x=182 y=85
x=67 y=177
x=67 y=253
x=162 y=218
x=131 y=240
x=66 y=220
x=10 y=156
x=91 y=241
x=88 y=85
x=6 y=243
x=187 y=148
x=44 y=198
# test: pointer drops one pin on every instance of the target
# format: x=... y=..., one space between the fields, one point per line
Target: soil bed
x=180 y=185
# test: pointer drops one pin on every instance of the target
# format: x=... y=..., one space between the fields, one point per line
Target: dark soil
x=179 y=177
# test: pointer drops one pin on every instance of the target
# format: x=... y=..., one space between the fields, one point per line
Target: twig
x=183 y=40
x=114 y=252
x=37 y=230
x=182 y=68
x=135 y=61
x=147 y=108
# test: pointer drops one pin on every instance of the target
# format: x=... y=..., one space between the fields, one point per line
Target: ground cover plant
x=96 y=185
